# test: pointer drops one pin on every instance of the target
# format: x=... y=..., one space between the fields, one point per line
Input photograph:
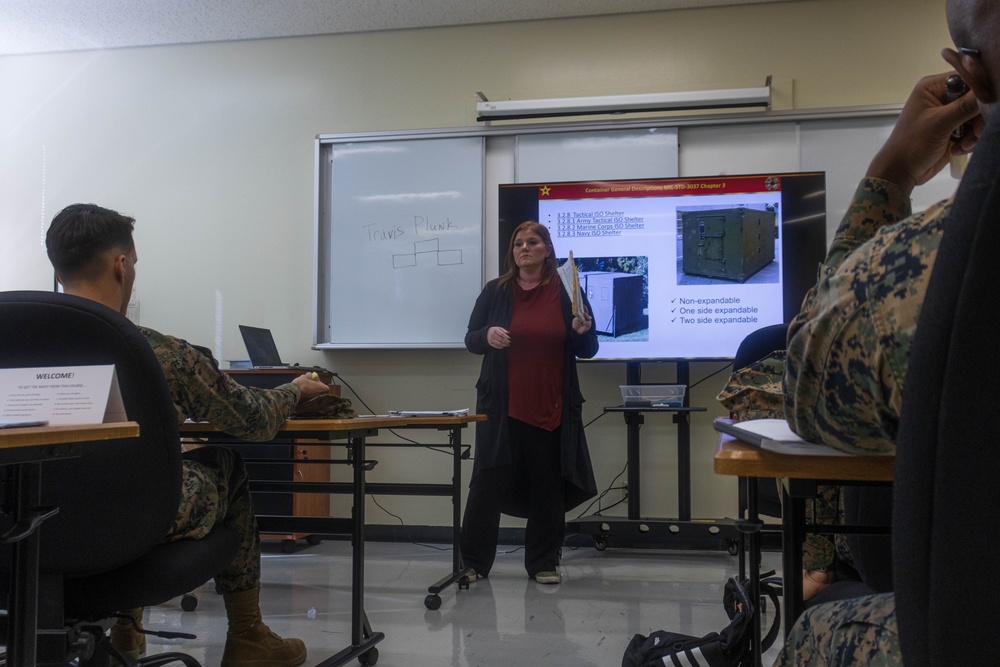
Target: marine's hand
x=310 y=386
x=919 y=145
x=498 y=337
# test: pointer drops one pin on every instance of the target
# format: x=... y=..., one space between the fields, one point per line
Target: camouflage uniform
x=755 y=392
x=859 y=631
x=215 y=488
x=848 y=351
x=849 y=347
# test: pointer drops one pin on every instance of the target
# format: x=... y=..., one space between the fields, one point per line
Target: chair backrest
x=760 y=343
x=945 y=521
x=120 y=497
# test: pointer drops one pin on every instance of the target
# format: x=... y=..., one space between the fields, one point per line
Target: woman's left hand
x=582 y=322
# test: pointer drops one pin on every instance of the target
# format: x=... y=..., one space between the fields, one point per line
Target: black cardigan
x=495 y=307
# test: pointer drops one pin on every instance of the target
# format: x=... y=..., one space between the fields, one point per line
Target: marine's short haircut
x=80 y=233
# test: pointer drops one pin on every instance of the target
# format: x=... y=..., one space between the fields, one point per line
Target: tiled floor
x=605 y=598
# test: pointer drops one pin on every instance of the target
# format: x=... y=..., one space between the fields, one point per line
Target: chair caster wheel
x=600 y=543
x=189 y=602
x=369 y=657
x=432 y=601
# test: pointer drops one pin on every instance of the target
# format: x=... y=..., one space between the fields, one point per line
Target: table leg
x=458 y=570
x=358 y=544
x=455 y=438
x=754 y=564
x=743 y=493
x=793 y=535
x=363 y=640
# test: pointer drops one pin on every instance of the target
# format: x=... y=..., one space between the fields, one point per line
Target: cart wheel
x=189 y=602
x=733 y=548
x=287 y=546
x=600 y=543
x=432 y=601
x=314 y=539
x=369 y=657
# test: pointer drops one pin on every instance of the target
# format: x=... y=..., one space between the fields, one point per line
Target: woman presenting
x=531 y=453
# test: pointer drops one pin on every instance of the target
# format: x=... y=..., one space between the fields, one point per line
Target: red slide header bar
x=660 y=188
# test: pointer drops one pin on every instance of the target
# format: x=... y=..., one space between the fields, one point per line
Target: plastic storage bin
x=649 y=395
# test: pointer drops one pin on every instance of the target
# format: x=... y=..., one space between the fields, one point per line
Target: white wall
x=210 y=147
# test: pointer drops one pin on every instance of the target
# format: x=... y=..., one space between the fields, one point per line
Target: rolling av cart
x=635 y=530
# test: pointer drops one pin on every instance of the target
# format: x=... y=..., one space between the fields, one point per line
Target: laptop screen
x=260 y=347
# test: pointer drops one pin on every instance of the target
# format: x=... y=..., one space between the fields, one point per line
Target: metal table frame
x=356 y=432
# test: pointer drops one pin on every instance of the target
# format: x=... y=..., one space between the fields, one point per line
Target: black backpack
x=729 y=648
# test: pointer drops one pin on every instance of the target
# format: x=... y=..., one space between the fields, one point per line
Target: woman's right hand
x=498 y=337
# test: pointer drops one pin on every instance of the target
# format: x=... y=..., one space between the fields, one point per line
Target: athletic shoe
x=548 y=578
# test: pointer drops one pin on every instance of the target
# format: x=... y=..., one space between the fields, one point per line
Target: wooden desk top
x=313 y=425
x=735 y=457
x=56 y=435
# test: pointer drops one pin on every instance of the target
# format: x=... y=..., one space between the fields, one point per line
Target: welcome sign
x=61 y=395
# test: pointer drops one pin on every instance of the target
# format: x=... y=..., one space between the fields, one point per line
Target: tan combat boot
x=124 y=635
x=249 y=642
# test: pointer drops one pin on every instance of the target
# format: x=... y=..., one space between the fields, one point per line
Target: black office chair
x=102 y=552
x=757 y=345
x=945 y=519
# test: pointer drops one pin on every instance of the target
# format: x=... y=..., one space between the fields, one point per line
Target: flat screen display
x=681 y=268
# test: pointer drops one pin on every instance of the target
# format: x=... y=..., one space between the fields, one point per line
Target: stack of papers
x=774 y=435
x=570 y=278
x=429 y=413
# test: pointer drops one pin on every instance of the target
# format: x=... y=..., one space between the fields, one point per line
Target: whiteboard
x=726 y=150
x=597 y=155
x=843 y=148
x=402 y=262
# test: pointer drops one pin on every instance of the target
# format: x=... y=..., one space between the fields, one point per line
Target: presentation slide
x=675 y=268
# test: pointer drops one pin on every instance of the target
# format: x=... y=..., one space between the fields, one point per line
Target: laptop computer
x=261 y=348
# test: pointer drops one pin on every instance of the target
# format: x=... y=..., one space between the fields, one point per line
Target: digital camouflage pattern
x=325 y=406
x=214 y=487
x=755 y=392
x=215 y=490
x=859 y=631
x=201 y=392
x=849 y=347
x=848 y=353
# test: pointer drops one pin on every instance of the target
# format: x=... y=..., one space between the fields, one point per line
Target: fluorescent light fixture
x=614 y=104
